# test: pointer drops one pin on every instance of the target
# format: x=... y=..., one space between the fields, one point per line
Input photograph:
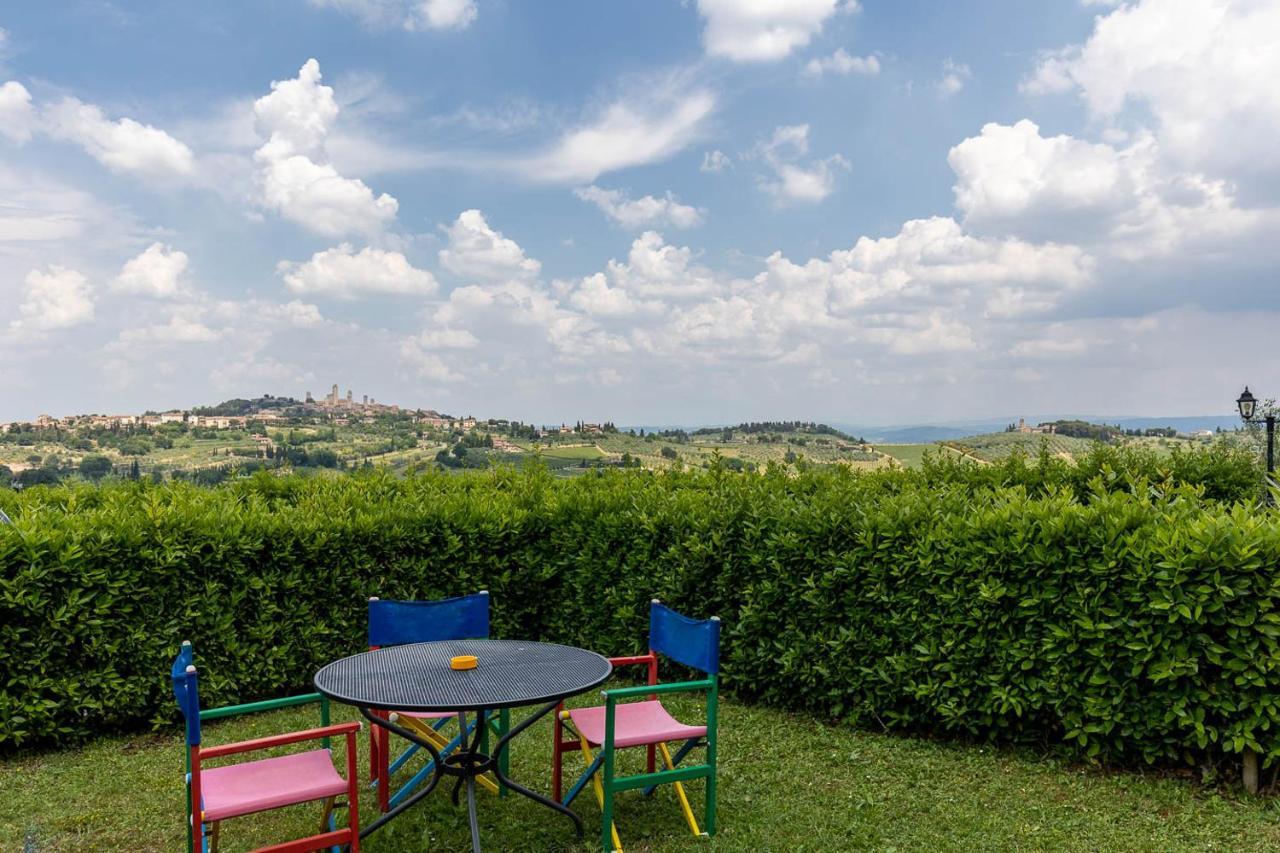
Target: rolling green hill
x=995 y=446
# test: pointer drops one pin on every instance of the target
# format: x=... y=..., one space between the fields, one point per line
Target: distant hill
x=922 y=434
x=949 y=430
x=1187 y=424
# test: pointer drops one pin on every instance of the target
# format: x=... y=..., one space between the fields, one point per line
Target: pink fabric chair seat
x=634 y=724
x=269 y=783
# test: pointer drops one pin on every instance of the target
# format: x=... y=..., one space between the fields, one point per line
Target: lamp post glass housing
x=1248 y=404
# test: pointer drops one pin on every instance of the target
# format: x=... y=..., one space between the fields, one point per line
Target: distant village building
x=433 y=418
x=218 y=421
x=1024 y=427
x=335 y=400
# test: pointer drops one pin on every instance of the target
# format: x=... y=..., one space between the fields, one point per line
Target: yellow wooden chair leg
x=684 y=800
x=325 y=814
x=599 y=788
x=440 y=741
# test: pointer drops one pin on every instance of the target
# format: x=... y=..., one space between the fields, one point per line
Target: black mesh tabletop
x=417 y=677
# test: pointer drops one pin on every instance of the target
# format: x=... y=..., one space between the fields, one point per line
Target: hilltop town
x=340 y=431
x=269 y=410
x=335 y=407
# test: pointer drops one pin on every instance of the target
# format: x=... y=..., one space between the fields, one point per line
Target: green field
x=910 y=455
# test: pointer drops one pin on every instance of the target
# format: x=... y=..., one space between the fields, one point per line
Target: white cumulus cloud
x=1205 y=69
x=158 y=271
x=841 y=62
x=442 y=15
x=185 y=325
x=954 y=76
x=55 y=298
x=477 y=251
x=295 y=179
x=715 y=161
x=123 y=145
x=344 y=273
x=763 y=30
x=794 y=178
x=1011 y=179
x=646 y=211
x=17 y=118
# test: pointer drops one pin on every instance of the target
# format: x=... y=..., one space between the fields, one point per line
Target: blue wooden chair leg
x=400 y=762
x=429 y=768
x=407 y=754
x=584 y=778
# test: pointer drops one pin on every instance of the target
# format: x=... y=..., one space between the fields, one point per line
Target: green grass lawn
x=787 y=783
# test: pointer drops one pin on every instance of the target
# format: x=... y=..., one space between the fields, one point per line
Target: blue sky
x=640 y=211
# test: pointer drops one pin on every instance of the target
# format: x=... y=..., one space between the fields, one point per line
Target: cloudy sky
x=649 y=211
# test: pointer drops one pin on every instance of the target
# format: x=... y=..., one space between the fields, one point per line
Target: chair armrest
x=654 y=689
x=348 y=729
x=256 y=707
x=633 y=660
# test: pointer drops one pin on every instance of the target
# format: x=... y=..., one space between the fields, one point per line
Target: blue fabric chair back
x=186 y=692
x=393 y=623
x=692 y=642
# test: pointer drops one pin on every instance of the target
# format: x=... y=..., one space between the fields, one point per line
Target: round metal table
x=418 y=677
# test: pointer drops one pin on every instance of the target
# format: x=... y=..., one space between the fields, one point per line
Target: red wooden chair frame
x=349 y=834
x=561 y=746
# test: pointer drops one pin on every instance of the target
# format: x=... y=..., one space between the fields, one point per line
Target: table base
x=465 y=764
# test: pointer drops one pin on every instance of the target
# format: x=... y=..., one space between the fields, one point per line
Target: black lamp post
x=1248 y=405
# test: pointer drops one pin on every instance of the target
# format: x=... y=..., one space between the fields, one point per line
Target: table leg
x=471 y=814
x=472 y=751
x=467 y=767
x=507 y=782
x=478 y=739
x=417 y=795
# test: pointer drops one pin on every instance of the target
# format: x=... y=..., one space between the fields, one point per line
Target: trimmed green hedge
x=1131 y=619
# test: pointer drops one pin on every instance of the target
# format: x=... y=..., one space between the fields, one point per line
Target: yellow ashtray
x=462 y=662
